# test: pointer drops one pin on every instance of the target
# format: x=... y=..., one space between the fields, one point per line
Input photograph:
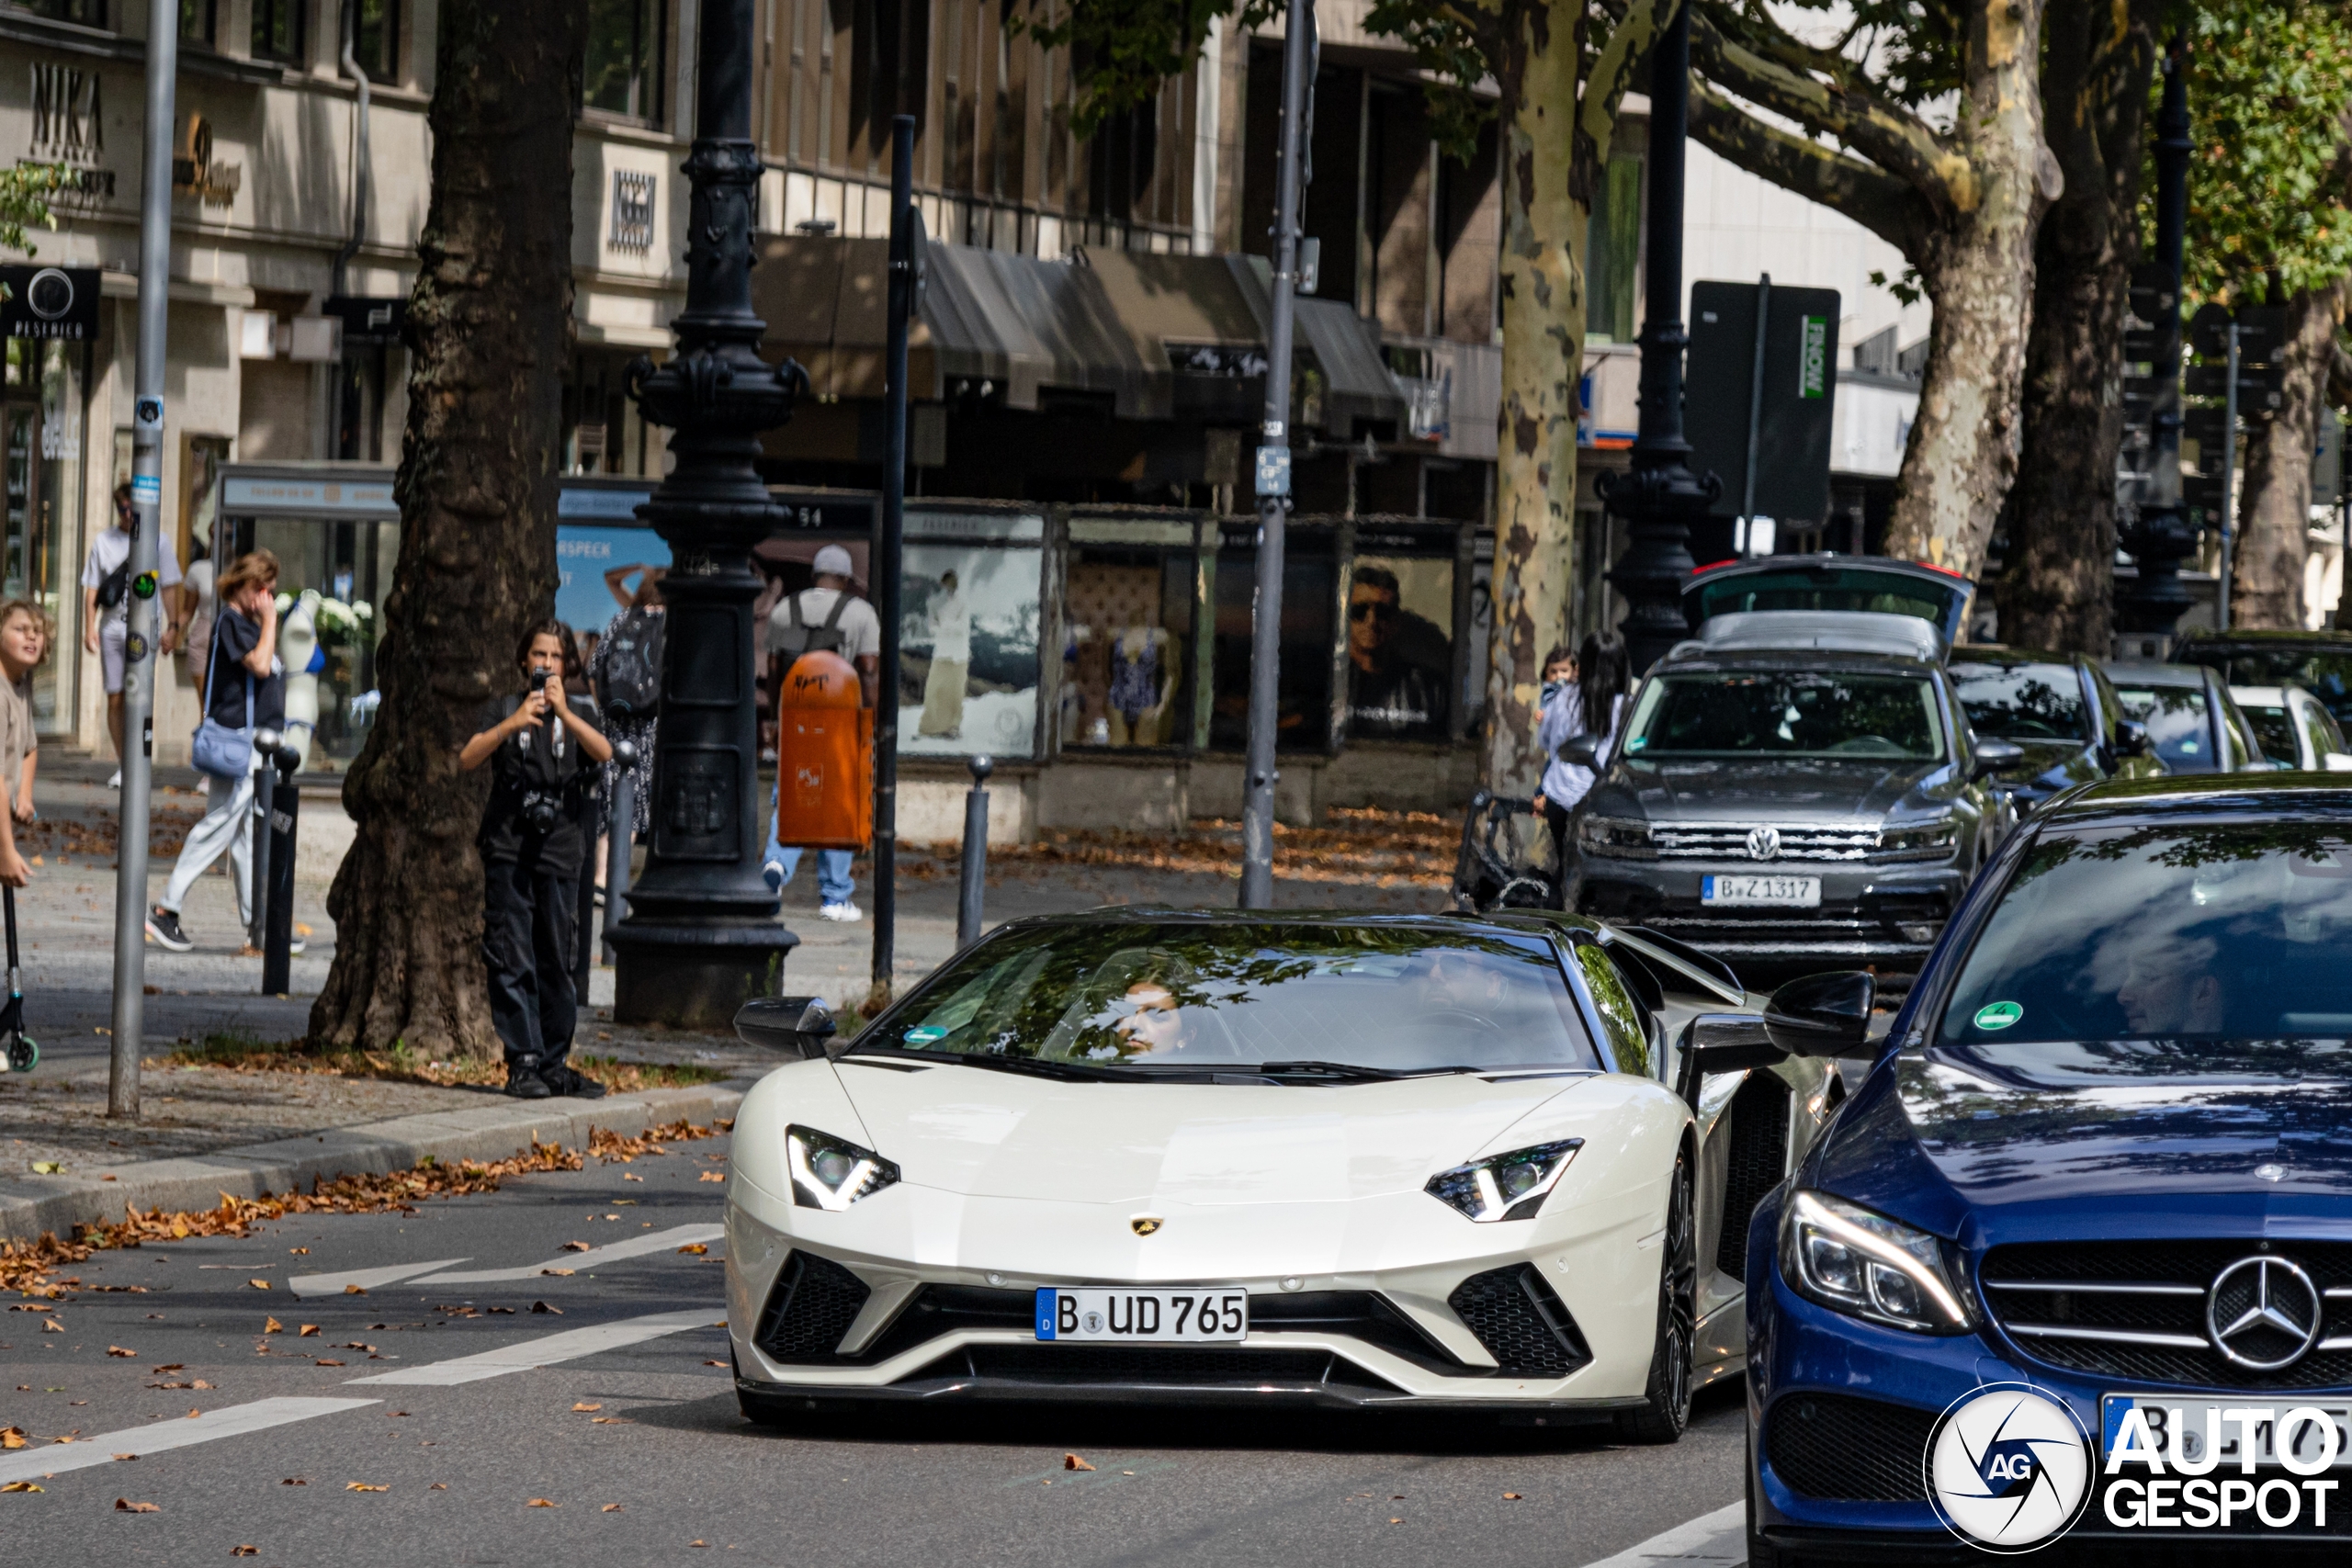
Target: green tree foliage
x=2270 y=92
x=25 y=191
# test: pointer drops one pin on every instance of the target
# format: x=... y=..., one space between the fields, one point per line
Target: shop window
x=969 y=610
x=198 y=18
x=622 y=72
x=40 y=453
x=1614 y=251
x=1127 y=645
x=1303 y=704
x=277 y=30
x=1401 y=641
x=376 y=43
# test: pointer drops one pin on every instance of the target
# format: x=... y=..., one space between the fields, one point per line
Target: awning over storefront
x=1162 y=337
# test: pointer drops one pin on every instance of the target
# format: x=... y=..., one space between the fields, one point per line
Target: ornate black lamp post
x=701 y=934
x=1660 y=497
x=2163 y=536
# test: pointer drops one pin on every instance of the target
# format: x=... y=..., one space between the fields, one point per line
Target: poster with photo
x=1400 y=647
x=968 y=617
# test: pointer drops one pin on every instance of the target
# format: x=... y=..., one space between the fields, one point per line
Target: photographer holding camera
x=543 y=758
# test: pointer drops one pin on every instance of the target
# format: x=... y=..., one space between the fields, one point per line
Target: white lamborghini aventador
x=1366 y=1161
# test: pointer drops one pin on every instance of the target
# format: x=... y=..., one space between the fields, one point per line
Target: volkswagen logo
x=1763 y=843
x=2263 y=1313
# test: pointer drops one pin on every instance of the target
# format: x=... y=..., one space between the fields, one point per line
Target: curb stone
x=30 y=1205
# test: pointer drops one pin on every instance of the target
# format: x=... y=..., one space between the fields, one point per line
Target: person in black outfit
x=534 y=831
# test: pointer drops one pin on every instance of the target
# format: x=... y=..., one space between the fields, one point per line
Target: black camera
x=542 y=810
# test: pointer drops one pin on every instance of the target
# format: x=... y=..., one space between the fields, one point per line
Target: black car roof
x=2252 y=796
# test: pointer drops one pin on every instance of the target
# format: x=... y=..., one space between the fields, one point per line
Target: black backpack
x=115 y=585
x=797 y=637
x=631 y=688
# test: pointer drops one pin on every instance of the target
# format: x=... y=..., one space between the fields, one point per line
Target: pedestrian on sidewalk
x=824 y=616
x=106 y=606
x=245 y=691
x=1576 y=687
x=24 y=643
x=534 y=831
x=626 y=672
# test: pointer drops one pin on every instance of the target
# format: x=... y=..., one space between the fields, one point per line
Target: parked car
x=1796 y=787
x=1828 y=582
x=2060 y=709
x=2091 y=1196
x=1234 y=1159
x=2296 y=729
x=2321 y=662
x=2194 y=724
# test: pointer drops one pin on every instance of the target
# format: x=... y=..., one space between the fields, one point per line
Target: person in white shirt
x=106 y=576
x=824 y=616
x=1590 y=683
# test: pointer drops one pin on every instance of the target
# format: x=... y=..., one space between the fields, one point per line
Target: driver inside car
x=1463 y=981
x=1153 y=1025
x=2164 y=997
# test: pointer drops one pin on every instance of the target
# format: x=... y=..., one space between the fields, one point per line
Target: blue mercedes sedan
x=2075 y=1260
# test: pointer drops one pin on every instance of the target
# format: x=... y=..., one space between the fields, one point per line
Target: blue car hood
x=2013 y=1133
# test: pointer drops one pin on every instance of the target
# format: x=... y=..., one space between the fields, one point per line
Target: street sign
x=2259 y=386
x=2201 y=490
x=50 y=301
x=1799 y=382
x=2205 y=428
x=2154 y=292
x=2261 y=328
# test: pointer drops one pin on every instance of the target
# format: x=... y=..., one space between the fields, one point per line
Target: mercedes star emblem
x=2263 y=1313
x=1763 y=843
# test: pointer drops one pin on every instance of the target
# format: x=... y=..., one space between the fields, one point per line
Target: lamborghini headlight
x=1505 y=1187
x=1852 y=1260
x=1624 y=838
x=833 y=1173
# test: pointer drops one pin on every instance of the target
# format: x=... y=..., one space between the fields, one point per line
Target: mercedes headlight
x=1852 y=1260
x=1505 y=1187
x=1923 y=840
x=1626 y=838
x=833 y=1173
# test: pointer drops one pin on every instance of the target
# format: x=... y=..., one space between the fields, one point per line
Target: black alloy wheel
x=1665 y=1411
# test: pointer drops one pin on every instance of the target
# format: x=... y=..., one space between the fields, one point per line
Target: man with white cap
x=828 y=616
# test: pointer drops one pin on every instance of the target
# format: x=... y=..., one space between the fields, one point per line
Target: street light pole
x=701 y=936
x=146 y=524
x=1660 y=497
x=900 y=306
x=2161 y=536
x=1273 y=481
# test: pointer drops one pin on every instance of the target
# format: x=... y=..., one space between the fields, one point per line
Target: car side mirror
x=1822 y=1015
x=1994 y=755
x=2130 y=738
x=1580 y=752
x=1716 y=1043
x=799 y=1026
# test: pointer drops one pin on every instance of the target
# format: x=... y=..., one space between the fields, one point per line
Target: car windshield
x=2022 y=702
x=1138 y=997
x=2202 y=940
x=1786 y=714
x=2176 y=723
x=2327 y=674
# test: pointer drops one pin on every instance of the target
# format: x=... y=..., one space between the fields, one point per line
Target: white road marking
x=1712 y=1541
x=545 y=1352
x=660 y=1241
x=230 y=1421
x=365 y=1278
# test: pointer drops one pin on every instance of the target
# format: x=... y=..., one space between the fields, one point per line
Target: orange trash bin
x=824 y=756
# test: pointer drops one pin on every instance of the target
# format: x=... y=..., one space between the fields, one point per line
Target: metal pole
x=1660 y=497
x=1274 y=483
x=2228 y=485
x=619 y=840
x=1754 y=416
x=284 y=815
x=146 y=524
x=973 y=887
x=265 y=744
x=899 y=308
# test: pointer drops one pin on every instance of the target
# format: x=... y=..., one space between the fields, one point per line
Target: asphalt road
x=632 y=1432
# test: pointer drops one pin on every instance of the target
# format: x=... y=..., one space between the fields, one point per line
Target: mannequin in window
x=951 y=662
x=1142 y=680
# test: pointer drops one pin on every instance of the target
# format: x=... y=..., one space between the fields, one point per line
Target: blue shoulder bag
x=219 y=751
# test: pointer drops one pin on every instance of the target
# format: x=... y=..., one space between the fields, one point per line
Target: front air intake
x=809 y=1310
x=1520 y=1322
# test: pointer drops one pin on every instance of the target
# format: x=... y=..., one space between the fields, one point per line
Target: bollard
x=624 y=814
x=283 y=823
x=975 y=854
x=265 y=744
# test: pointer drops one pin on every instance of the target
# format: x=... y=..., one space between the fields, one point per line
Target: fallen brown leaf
x=118 y=1351
x=363 y=1486
x=299 y=1251
x=325 y=1361
x=271 y=1326
x=12 y=1436
x=193 y=1413
x=698 y=1543
x=556 y=1271
x=540 y=1503
x=583 y=1405
x=577 y=1247
x=1071 y=1462
x=698 y=1248
x=125 y=1456
x=306 y=1331
x=610 y=1508
x=612 y=1421
x=258 y=1285
x=629 y=1176
x=714 y=1363
x=353 y=1290
x=712 y=1175
x=542 y=1306
x=508 y=1311
x=245 y=1552
x=50 y=1325
x=125 y=1505
x=1510 y=1497
x=20 y=1486
x=201 y=1384
x=169 y=1367
x=293 y=1481
x=438 y=1486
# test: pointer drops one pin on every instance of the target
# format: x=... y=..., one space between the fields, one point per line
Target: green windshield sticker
x=1998 y=1015
x=924 y=1036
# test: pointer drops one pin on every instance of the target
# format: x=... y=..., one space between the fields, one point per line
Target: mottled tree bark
x=2274 y=518
x=2057 y=589
x=490 y=330
x=1557 y=122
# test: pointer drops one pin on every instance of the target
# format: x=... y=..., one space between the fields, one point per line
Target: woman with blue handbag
x=243 y=689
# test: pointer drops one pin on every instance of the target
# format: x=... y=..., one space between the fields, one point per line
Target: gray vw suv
x=1797 y=788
